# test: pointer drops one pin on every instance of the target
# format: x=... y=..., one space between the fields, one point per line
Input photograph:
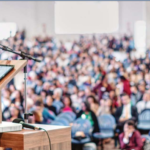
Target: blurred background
x=94 y=74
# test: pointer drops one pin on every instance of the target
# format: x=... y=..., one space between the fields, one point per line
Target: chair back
x=70 y=116
x=107 y=122
x=144 y=116
x=83 y=125
x=63 y=121
x=57 y=123
x=58 y=105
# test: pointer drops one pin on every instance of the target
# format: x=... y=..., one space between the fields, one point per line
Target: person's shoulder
x=45 y=110
x=137 y=133
x=119 y=108
x=139 y=103
x=92 y=113
x=148 y=102
x=134 y=108
x=121 y=135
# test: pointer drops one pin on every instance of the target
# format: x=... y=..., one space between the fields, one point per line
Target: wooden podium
x=27 y=139
x=37 y=140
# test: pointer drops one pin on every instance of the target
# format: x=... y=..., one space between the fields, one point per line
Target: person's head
x=38 y=105
x=75 y=89
x=141 y=86
x=6 y=94
x=112 y=94
x=30 y=91
x=88 y=91
x=12 y=88
x=129 y=126
x=91 y=99
x=14 y=111
x=125 y=98
x=86 y=106
x=133 y=89
x=108 y=102
x=97 y=69
x=67 y=101
x=18 y=94
x=49 y=100
x=39 y=82
x=122 y=78
x=43 y=94
x=57 y=94
x=146 y=96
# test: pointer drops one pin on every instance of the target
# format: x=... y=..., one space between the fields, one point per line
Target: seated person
x=47 y=117
x=86 y=113
x=125 y=112
x=145 y=103
x=14 y=113
x=49 y=106
x=67 y=105
x=94 y=105
x=105 y=107
x=130 y=138
x=36 y=118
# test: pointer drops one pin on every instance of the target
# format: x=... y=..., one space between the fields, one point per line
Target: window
x=86 y=17
x=7 y=29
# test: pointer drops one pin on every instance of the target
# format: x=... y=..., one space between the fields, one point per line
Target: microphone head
x=18 y=120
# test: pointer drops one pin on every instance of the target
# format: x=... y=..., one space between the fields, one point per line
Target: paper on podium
x=9 y=127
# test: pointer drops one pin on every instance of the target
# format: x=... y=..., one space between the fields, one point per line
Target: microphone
x=25 y=125
x=21 y=121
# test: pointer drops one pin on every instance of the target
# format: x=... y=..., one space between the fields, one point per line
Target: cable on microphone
x=26 y=125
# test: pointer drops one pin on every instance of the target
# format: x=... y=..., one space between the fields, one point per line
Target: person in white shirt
x=145 y=103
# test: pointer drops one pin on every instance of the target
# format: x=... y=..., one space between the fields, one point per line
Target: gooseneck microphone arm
x=26 y=57
x=21 y=53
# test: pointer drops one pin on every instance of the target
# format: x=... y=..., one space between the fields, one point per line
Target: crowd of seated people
x=81 y=77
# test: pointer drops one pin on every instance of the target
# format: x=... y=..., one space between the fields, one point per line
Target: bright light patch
x=86 y=17
x=140 y=36
x=7 y=29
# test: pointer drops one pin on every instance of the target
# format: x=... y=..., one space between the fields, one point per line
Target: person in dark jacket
x=49 y=106
x=86 y=113
x=125 y=112
x=47 y=117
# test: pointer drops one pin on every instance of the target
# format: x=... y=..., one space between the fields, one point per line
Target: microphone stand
x=27 y=57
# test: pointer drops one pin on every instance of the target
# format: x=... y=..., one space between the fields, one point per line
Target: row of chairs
x=107 y=126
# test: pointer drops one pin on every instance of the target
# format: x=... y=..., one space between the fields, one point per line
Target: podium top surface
x=49 y=128
x=18 y=65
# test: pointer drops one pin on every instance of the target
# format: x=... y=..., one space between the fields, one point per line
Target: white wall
x=130 y=12
x=148 y=23
x=32 y=15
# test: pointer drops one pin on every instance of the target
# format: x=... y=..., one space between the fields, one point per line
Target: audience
x=84 y=78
